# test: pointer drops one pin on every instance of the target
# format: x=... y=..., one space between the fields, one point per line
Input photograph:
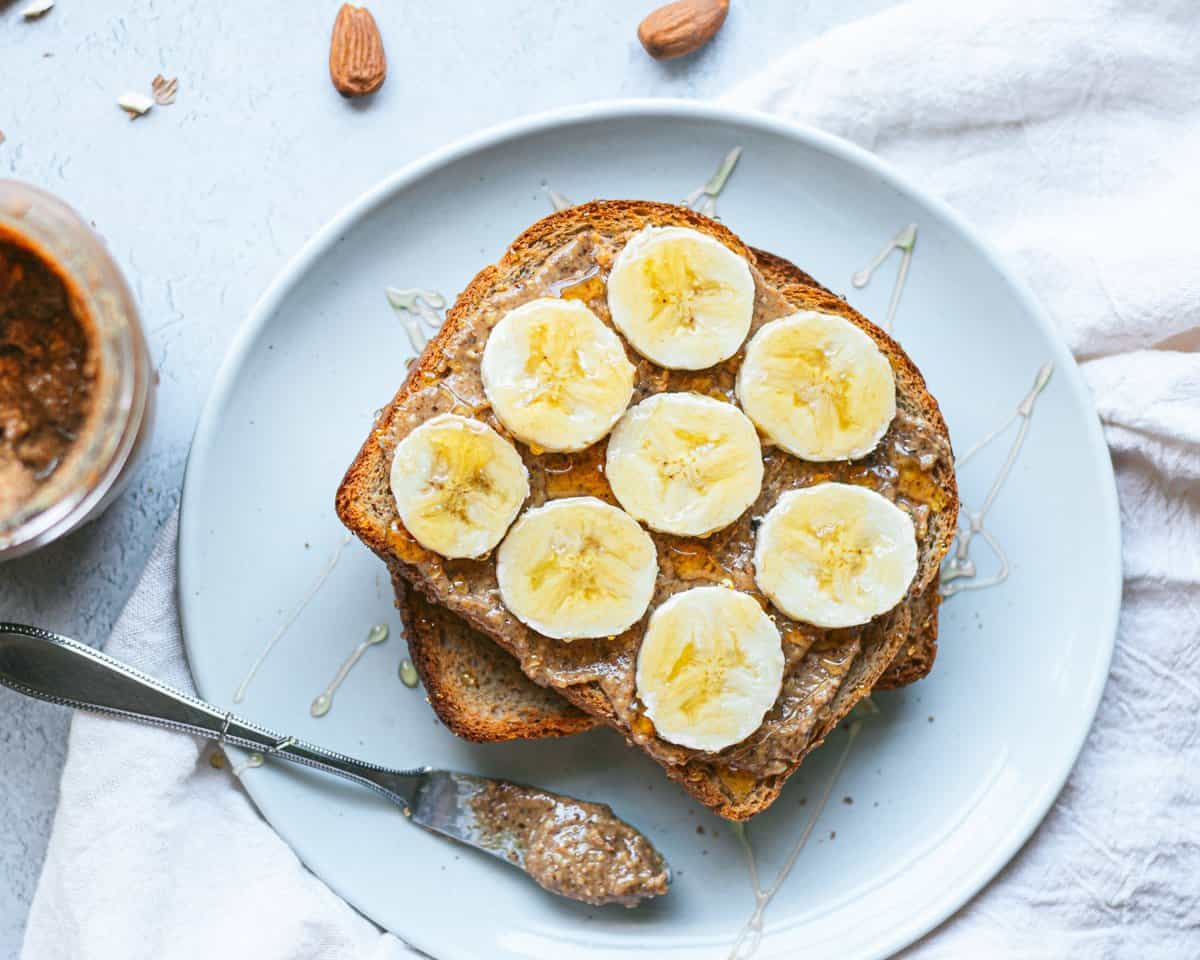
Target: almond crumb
x=37 y=9
x=164 y=90
x=135 y=104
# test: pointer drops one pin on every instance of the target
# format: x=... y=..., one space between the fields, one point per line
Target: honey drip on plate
x=904 y=241
x=417 y=307
x=959 y=572
x=704 y=198
x=750 y=937
x=323 y=702
x=557 y=200
x=240 y=694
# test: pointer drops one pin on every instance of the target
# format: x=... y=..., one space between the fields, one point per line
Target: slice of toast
x=827 y=672
x=478 y=691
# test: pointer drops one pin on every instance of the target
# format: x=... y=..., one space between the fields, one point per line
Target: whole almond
x=682 y=27
x=357 y=64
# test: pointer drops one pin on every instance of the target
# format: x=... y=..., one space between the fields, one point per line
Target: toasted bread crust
x=362 y=502
x=474 y=687
x=440 y=643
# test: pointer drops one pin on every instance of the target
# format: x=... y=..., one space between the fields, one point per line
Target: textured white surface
x=202 y=202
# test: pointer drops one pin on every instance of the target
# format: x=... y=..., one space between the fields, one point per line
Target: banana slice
x=835 y=555
x=710 y=667
x=682 y=299
x=577 y=567
x=555 y=375
x=684 y=463
x=458 y=485
x=817 y=386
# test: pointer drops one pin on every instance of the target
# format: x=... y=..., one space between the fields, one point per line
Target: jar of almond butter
x=76 y=395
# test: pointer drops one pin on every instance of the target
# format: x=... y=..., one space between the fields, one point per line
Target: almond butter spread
x=47 y=371
x=570 y=847
x=911 y=466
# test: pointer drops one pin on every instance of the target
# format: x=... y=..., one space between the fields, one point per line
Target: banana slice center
x=816 y=380
x=835 y=555
x=459 y=480
x=556 y=376
x=577 y=567
x=839 y=554
x=580 y=571
x=682 y=298
x=684 y=463
x=458 y=485
x=818 y=386
x=709 y=668
x=679 y=291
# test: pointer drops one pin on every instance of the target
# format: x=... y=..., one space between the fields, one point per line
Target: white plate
x=947 y=781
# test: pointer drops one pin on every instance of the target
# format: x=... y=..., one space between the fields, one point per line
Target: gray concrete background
x=203 y=202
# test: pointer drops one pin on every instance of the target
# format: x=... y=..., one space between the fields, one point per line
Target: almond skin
x=357 y=64
x=682 y=27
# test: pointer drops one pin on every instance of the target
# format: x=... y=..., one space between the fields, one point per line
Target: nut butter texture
x=47 y=371
x=571 y=847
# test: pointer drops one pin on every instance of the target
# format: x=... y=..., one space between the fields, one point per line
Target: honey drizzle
x=699 y=563
x=414 y=306
x=750 y=937
x=580 y=286
x=959 y=572
x=586 y=289
x=904 y=241
x=576 y=475
x=461 y=405
x=704 y=199
x=240 y=694
x=404 y=545
x=323 y=702
x=557 y=200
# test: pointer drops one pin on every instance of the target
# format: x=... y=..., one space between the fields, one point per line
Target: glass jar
x=104 y=451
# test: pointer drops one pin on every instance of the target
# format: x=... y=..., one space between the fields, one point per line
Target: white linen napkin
x=1069 y=132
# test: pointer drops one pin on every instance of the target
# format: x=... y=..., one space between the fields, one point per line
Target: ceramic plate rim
x=937 y=911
